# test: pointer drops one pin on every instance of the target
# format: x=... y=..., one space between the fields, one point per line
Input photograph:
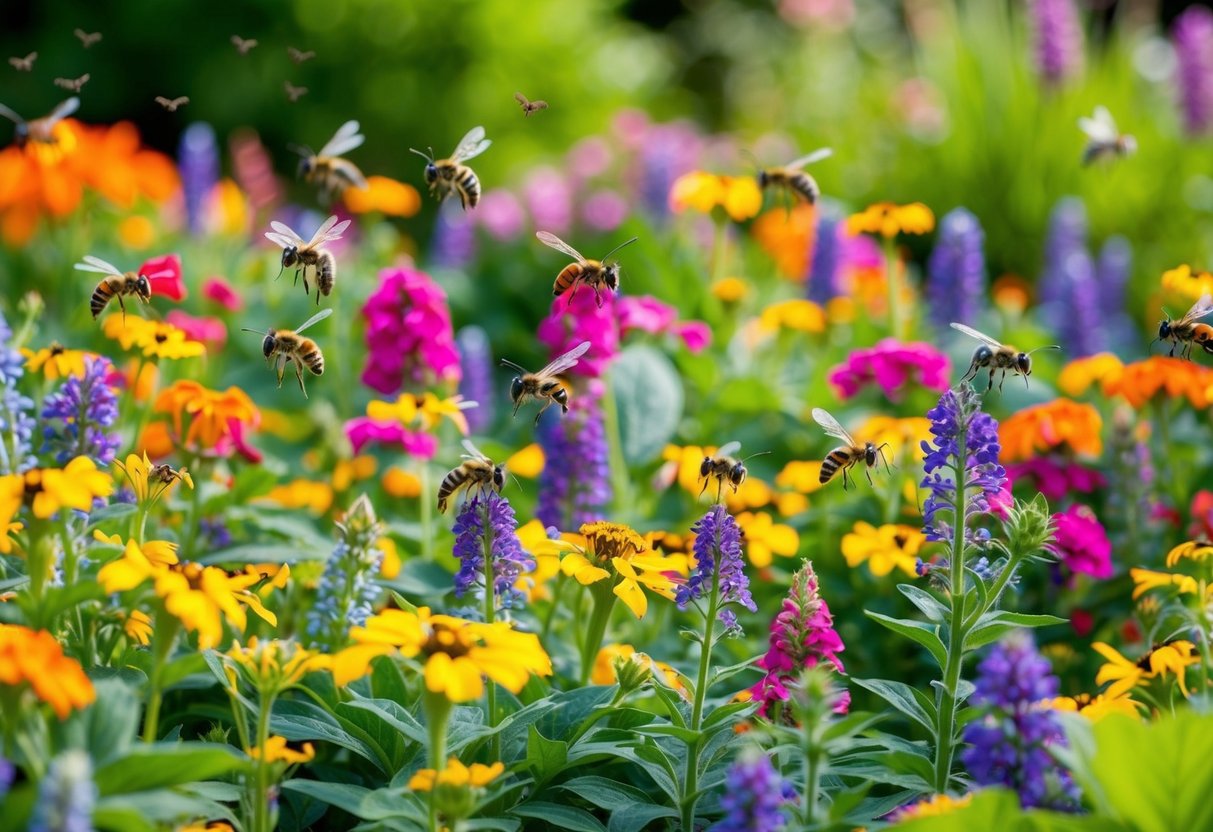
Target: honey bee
x=116 y=284
x=848 y=455
x=597 y=274
x=303 y=256
x=298 y=55
x=725 y=469
x=73 y=84
x=1104 y=140
x=243 y=45
x=293 y=93
x=447 y=175
x=529 y=106
x=996 y=356
x=476 y=471
x=544 y=384
x=1187 y=331
x=166 y=474
x=87 y=39
x=327 y=167
x=792 y=178
x=40 y=129
x=286 y=345
x=25 y=64
x=171 y=104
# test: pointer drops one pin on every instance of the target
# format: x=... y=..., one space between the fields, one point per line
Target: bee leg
x=706 y=480
x=845 y=479
x=1001 y=380
x=868 y=472
x=886 y=459
x=1025 y=382
x=990 y=383
x=972 y=372
x=542 y=409
x=299 y=375
x=123 y=306
x=598 y=297
x=281 y=370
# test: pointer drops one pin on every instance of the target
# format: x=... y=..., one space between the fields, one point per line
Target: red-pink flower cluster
x=408 y=332
x=164 y=274
x=365 y=430
x=644 y=313
x=217 y=290
x=892 y=364
x=1081 y=542
x=1055 y=478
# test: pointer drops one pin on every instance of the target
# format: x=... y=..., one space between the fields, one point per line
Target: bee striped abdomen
x=450 y=484
x=567 y=277
x=326 y=273
x=468 y=186
x=804 y=185
x=311 y=357
x=101 y=296
x=836 y=459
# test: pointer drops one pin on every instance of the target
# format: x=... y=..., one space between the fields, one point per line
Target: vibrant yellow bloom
x=137 y=232
x=316 y=497
x=932 y=807
x=534 y=584
x=138 y=627
x=349 y=471
x=1142 y=381
x=383 y=195
x=391 y=564
x=273 y=666
x=75 y=485
x=1145 y=580
x=888 y=220
x=800 y=475
x=1056 y=424
x=229 y=211
x=1125 y=675
x=426 y=410
x=400 y=484
x=685 y=462
x=151 y=482
x=765 y=538
x=1197 y=550
x=276 y=751
x=788 y=236
x=753 y=493
x=796 y=314
x=456 y=654
x=700 y=191
x=1189 y=284
x=604 y=666
x=1077 y=377
x=884 y=549
x=155 y=339
x=33 y=660
x=1096 y=708
x=456 y=774
x=12 y=494
x=55 y=361
x=527 y=463
x=900 y=434
x=730 y=289
x=790 y=503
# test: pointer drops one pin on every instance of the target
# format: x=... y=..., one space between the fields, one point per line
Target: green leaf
x=394 y=715
x=362 y=803
x=604 y=793
x=658 y=730
x=420 y=578
x=298 y=720
x=155 y=766
x=914 y=704
x=560 y=816
x=381 y=734
x=648 y=398
x=545 y=758
x=105 y=728
x=928 y=604
x=631 y=818
x=997 y=623
x=918 y=631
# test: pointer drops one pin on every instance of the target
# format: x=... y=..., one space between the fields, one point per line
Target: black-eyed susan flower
x=74 y=486
x=55 y=362
x=901 y=435
x=154 y=339
x=884 y=549
x=138 y=627
x=802 y=476
x=534 y=584
x=1195 y=550
x=12 y=493
x=528 y=462
x=1097 y=707
x=151 y=482
x=33 y=661
x=425 y=411
x=1171 y=658
x=1145 y=580
x=930 y=807
x=272 y=666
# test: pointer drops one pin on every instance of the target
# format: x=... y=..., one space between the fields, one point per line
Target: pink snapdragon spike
x=364 y=431
x=1081 y=542
x=210 y=331
x=1056 y=478
x=408 y=332
x=577 y=317
x=164 y=273
x=891 y=365
x=217 y=290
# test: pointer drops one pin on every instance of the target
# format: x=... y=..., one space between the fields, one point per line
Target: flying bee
x=87 y=39
x=293 y=93
x=298 y=55
x=792 y=177
x=725 y=469
x=40 y=129
x=848 y=455
x=302 y=256
x=115 y=284
x=447 y=175
x=327 y=168
x=529 y=106
x=73 y=84
x=476 y=471
x=544 y=384
x=1186 y=331
x=995 y=356
x=1104 y=140
x=25 y=64
x=171 y=104
x=282 y=346
x=243 y=45
x=597 y=274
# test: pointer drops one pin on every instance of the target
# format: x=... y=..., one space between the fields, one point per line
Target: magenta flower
x=164 y=273
x=219 y=291
x=364 y=431
x=644 y=313
x=210 y=331
x=408 y=332
x=604 y=210
x=1056 y=478
x=549 y=200
x=588 y=158
x=582 y=319
x=1081 y=542
x=891 y=365
x=501 y=214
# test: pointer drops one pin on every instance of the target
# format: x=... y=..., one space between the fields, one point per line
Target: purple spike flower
x=1009 y=745
x=484 y=526
x=578 y=489
x=1057 y=34
x=1193 y=35
x=476 y=385
x=16 y=423
x=1070 y=296
x=66 y=795
x=957 y=270
x=719 y=565
x=754 y=796
x=198 y=161
x=79 y=416
x=347 y=589
x=454 y=242
x=825 y=262
x=1112 y=272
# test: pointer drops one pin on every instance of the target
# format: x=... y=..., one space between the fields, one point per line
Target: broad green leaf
x=384 y=735
x=603 y=793
x=648 y=397
x=904 y=698
x=560 y=816
x=362 y=803
x=631 y=818
x=928 y=604
x=298 y=720
x=106 y=727
x=154 y=766
x=545 y=757
x=918 y=631
x=394 y=715
x=996 y=623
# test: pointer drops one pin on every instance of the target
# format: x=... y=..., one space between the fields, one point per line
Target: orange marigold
x=35 y=659
x=788 y=236
x=206 y=419
x=1141 y=381
x=1056 y=424
x=1078 y=376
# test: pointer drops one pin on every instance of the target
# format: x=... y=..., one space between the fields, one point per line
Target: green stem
x=163 y=638
x=946 y=699
x=490 y=614
x=550 y=616
x=812 y=780
x=437 y=711
x=427 y=512
x=261 y=802
x=71 y=563
x=691 y=780
x=604 y=603
x=193 y=520
x=894 y=297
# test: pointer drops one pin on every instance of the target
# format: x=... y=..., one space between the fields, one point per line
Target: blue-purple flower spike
x=198 y=157
x=66 y=795
x=718 y=557
x=348 y=590
x=1057 y=36
x=754 y=796
x=476 y=384
x=577 y=490
x=16 y=421
x=957 y=270
x=1193 y=34
x=490 y=514
x=79 y=416
x=826 y=259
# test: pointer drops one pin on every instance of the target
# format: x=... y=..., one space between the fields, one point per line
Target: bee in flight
x=327 y=168
x=597 y=274
x=87 y=39
x=725 y=469
x=25 y=64
x=298 y=55
x=447 y=175
x=1104 y=140
x=848 y=455
x=243 y=45
x=1187 y=331
x=117 y=284
x=40 y=129
x=529 y=106
x=282 y=346
x=544 y=384
x=171 y=104
x=476 y=471
x=302 y=256
x=293 y=94
x=996 y=356
x=791 y=177
x=73 y=84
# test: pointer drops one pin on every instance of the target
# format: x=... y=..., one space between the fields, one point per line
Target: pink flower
x=582 y=319
x=549 y=200
x=695 y=334
x=408 y=332
x=239 y=443
x=1202 y=515
x=363 y=431
x=645 y=313
x=588 y=158
x=218 y=290
x=164 y=272
x=501 y=214
x=1056 y=478
x=207 y=330
x=892 y=364
x=1081 y=542
x=605 y=210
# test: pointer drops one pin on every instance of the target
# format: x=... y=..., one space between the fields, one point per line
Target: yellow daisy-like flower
x=1197 y=550
x=456 y=654
x=316 y=497
x=932 y=807
x=391 y=564
x=273 y=666
x=155 y=339
x=75 y=485
x=1145 y=580
x=685 y=462
x=803 y=476
x=739 y=196
x=426 y=410
x=527 y=463
x=888 y=219
x=349 y=471
x=1079 y=375
x=900 y=434
x=1096 y=708
x=12 y=494
x=151 y=482
x=534 y=584
x=55 y=361
x=753 y=493
x=138 y=627
x=797 y=314
x=1170 y=658
x=730 y=289
x=765 y=538
x=275 y=750
x=456 y=774
x=883 y=549
x=1189 y=284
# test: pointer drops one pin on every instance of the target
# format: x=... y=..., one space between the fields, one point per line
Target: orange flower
x=36 y=660
x=1011 y=293
x=1078 y=376
x=400 y=484
x=701 y=191
x=889 y=219
x=349 y=471
x=317 y=497
x=788 y=236
x=1044 y=427
x=206 y=419
x=1141 y=381
x=387 y=196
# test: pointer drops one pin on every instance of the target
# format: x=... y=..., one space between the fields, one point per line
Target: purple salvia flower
x=1009 y=745
x=576 y=490
x=1057 y=37
x=454 y=242
x=1113 y=270
x=66 y=795
x=1082 y=332
x=718 y=564
x=1193 y=35
x=8 y=773
x=754 y=796
x=957 y=270
x=198 y=162
x=79 y=416
x=484 y=525
x=214 y=533
x=476 y=384
x=825 y=261
x=347 y=590
x=1066 y=235
x=965 y=437
x=16 y=420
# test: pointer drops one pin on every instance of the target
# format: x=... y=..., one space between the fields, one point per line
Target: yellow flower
x=527 y=463
x=229 y=210
x=138 y=627
x=456 y=774
x=753 y=493
x=796 y=314
x=765 y=538
x=686 y=461
x=1096 y=708
x=276 y=751
x=155 y=339
x=317 y=497
x=534 y=584
x=34 y=660
x=700 y=191
x=884 y=549
x=151 y=482
x=273 y=666
x=1189 y=284
x=456 y=654
x=1197 y=550
x=1125 y=675
x=791 y=503
x=75 y=485
x=391 y=564
x=1077 y=377
x=1145 y=580
x=55 y=361
x=604 y=666
x=400 y=484
x=384 y=195
x=888 y=220
x=730 y=289
x=136 y=232
x=427 y=410
x=349 y=471
x=12 y=494
x=900 y=434
x=803 y=476
x=932 y=807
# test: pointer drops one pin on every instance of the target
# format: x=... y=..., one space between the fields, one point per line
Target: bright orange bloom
x=1011 y=293
x=730 y=289
x=1078 y=376
x=1056 y=424
x=35 y=659
x=1141 y=381
x=349 y=471
x=316 y=497
x=400 y=484
x=788 y=236
x=206 y=419
x=700 y=191
x=387 y=196
x=888 y=219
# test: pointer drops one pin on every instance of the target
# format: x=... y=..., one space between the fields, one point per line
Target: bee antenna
x=505 y=362
x=756 y=453
x=254 y=331
x=303 y=150
x=428 y=158
x=621 y=245
x=515 y=479
x=1049 y=347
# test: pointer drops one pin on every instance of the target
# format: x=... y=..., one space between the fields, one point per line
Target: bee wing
x=972 y=333
x=472 y=451
x=330 y=229
x=521 y=99
x=1101 y=127
x=565 y=361
x=539 y=105
x=317 y=318
x=815 y=156
x=1200 y=309
x=10 y=115
x=97 y=265
x=552 y=241
x=344 y=140
x=728 y=449
x=285 y=236
x=471 y=146
x=65 y=109
x=830 y=425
